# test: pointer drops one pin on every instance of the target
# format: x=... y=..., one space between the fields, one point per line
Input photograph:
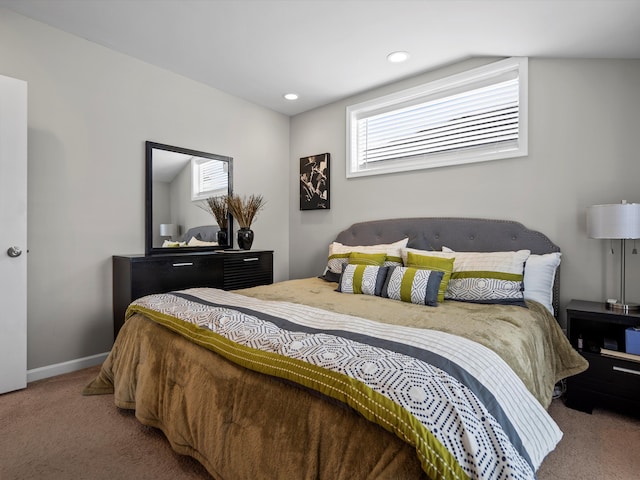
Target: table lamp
x=619 y=221
x=167 y=230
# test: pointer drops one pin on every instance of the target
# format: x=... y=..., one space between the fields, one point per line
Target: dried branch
x=244 y=209
x=218 y=207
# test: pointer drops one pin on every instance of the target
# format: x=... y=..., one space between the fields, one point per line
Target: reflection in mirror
x=179 y=182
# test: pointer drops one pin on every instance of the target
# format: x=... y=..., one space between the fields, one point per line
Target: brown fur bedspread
x=241 y=424
x=245 y=425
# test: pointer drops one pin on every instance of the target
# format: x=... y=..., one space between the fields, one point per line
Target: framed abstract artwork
x=314 y=182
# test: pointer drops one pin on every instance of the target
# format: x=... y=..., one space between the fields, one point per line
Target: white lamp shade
x=614 y=221
x=167 y=229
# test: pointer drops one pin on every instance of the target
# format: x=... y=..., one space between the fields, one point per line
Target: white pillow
x=194 y=242
x=539 y=277
x=171 y=244
x=339 y=253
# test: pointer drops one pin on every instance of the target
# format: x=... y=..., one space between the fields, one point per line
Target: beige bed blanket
x=529 y=340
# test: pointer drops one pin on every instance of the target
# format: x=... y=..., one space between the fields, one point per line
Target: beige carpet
x=603 y=446
x=50 y=431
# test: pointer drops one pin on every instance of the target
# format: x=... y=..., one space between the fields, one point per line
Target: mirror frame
x=148 y=232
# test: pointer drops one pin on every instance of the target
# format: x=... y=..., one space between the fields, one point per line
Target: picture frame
x=315 y=182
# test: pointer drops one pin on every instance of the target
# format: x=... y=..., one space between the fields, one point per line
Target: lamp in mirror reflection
x=619 y=221
x=168 y=230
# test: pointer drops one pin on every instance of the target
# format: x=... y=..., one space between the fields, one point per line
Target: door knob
x=14 y=252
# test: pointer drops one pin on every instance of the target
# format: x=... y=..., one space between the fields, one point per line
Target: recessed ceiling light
x=398 y=57
x=291 y=96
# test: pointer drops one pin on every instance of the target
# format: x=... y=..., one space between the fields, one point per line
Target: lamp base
x=623 y=307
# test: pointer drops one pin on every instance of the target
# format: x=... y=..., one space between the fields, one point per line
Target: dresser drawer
x=175 y=273
x=135 y=276
x=244 y=270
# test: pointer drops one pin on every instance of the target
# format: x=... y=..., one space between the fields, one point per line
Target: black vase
x=222 y=237
x=245 y=238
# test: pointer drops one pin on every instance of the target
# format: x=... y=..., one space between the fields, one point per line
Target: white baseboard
x=65 y=367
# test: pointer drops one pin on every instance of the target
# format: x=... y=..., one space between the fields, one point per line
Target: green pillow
x=444 y=265
x=373 y=259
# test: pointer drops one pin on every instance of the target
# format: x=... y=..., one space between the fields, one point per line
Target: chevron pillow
x=485 y=277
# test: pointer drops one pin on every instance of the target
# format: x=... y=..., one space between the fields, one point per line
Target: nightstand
x=613 y=377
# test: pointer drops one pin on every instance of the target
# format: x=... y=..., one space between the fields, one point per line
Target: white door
x=13 y=234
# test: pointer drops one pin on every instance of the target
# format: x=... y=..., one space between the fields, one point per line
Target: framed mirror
x=178 y=183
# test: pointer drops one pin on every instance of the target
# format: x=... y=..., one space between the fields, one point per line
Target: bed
x=202 y=236
x=204 y=233
x=298 y=380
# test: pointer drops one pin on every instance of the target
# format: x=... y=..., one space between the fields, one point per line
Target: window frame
x=443 y=87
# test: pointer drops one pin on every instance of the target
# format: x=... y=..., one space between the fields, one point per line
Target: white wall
x=583 y=150
x=90 y=111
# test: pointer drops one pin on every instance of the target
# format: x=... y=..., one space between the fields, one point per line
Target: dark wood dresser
x=135 y=276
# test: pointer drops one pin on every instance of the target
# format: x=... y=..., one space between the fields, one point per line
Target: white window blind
x=209 y=178
x=475 y=116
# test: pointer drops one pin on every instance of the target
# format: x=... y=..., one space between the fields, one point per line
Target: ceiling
x=326 y=50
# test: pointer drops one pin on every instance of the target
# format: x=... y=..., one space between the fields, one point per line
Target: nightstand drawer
x=610 y=375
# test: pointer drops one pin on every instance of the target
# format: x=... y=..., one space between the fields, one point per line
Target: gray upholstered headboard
x=461 y=234
x=206 y=233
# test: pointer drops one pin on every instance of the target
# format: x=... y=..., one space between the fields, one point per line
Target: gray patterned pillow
x=487 y=277
x=362 y=279
x=413 y=285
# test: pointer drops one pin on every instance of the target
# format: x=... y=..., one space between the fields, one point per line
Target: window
x=208 y=178
x=474 y=116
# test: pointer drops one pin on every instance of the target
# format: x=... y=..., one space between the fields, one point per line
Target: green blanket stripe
x=515 y=277
x=436 y=460
x=357 y=279
x=406 y=284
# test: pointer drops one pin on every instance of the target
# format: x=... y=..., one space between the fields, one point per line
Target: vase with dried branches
x=244 y=209
x=219 y=208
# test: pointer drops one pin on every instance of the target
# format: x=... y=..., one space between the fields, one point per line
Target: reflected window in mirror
x=209 y=178
x=178 y=182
